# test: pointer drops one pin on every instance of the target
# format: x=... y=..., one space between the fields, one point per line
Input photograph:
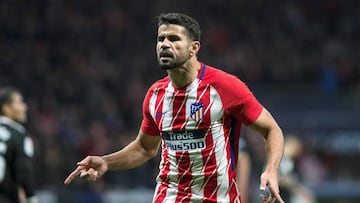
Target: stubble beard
x=173 y=63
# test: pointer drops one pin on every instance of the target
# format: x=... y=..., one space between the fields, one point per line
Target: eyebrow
x=169 y=36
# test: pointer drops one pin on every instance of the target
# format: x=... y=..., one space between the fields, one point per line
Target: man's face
x=16 y=110
x=173 y=46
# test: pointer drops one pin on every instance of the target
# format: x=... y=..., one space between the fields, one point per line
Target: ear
x=194 y=48
x=6 y=109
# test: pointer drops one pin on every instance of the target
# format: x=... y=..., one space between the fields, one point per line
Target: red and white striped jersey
x=200 y=128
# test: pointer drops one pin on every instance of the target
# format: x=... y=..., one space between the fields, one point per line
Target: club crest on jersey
x=197 y=111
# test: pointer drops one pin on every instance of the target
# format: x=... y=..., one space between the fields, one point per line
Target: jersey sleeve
x=238 y=100
x=148 y=125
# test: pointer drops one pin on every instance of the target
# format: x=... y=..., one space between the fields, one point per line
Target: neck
x=185 y=74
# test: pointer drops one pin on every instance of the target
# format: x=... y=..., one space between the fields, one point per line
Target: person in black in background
x=16 y=149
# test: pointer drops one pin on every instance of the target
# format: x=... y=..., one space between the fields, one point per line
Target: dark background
x=84 y=68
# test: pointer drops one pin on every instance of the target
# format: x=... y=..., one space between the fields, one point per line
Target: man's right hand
x=91 y=168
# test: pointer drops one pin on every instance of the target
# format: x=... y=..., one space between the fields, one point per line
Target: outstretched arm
x=143 y=148
x=274 y=140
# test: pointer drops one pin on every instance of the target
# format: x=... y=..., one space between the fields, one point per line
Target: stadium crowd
x=84 y=66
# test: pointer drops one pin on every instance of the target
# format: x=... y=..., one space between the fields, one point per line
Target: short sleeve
x=148 y=125
x=238 y=100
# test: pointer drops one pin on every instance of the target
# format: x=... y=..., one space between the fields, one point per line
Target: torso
x=11 y=142
x=198 y=155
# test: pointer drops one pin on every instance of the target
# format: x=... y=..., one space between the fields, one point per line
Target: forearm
x=129 y=157
x=274 y=148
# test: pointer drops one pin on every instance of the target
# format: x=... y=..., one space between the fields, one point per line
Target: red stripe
x=210 y=171
x=179 y=110
x=233 y=193
x=161 y=192
x=182 y=158
x=185 y=177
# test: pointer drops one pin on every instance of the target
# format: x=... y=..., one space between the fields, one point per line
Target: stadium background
x=84 y=67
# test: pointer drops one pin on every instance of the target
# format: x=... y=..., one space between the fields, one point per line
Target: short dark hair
x=191 y=25
x=6 y=96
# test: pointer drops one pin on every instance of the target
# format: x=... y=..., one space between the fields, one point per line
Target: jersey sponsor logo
x=188 y=140
x=196 y=111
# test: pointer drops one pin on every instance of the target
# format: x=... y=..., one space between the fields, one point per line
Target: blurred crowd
x=84 y=66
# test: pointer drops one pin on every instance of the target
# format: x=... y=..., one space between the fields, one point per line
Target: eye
x=173 y=38
x=161 y=38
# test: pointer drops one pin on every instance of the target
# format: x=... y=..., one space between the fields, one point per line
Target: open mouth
x=165 y=55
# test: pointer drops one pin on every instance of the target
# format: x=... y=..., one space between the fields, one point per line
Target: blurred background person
x=16 y=150
x=243 y=171
x=291 y=186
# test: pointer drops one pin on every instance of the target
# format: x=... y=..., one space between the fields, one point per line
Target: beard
x=172 y=62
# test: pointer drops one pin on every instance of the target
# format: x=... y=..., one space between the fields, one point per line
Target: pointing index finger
x=75 y=173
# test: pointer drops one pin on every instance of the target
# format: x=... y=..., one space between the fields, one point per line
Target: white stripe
x=216 y=113
x=167 y=108
x=171 y=192
x=152 y=103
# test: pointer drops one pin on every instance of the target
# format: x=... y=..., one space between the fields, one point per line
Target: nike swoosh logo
x=159 y=115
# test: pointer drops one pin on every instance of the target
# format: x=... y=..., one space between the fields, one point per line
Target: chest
x=199 y=106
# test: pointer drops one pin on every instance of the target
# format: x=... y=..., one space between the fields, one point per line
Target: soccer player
x=194 y=114
x=16 y=149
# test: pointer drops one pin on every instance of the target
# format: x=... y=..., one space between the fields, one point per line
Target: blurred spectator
x=243 y=171
x=292 y=188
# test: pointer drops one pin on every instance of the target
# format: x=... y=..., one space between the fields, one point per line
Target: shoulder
x=155 y=88
x=12 y=126
x=222 y=80
x=5 y=132
x=159 y=84
x=12 y=133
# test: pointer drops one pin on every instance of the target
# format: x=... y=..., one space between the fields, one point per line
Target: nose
x=165 y=44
